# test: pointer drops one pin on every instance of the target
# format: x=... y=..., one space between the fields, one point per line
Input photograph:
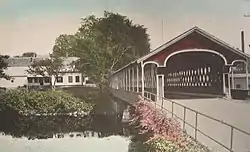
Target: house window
x=30 y=80
x=70 y=79
x=36 y=80
x=77 y=79
x=41 y=81
x=237 y=85
x=47 y=79
x=59 y=79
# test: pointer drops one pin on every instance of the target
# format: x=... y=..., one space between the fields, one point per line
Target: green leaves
x=64 y=45
x=35 y=102
x=104 y=45
x=3 y=66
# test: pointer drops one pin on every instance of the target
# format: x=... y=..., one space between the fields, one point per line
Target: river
x=102 y=131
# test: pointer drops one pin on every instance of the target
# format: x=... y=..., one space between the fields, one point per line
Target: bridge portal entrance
x=194 y=72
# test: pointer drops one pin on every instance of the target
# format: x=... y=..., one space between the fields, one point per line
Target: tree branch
x=115 y=61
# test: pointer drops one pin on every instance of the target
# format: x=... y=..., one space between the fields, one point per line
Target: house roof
x=16 y=71
x=69 y=60
x=22 y=61
x=185 y=34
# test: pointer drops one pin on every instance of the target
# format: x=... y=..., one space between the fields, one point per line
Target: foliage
x=154 y=122
x=3 y=66
x=47 y=67
x=29 y=54
x=47 y=102
x=158 y=144
x=162 y=133
x=64 y=45
x=103 y=45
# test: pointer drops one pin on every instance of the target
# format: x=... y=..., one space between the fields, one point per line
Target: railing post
x=129 y=79
x=172 y=109
x=196 y=124
x=184 y=118
x=137 y=78
x=231 y=139
x=161 y=102
x=247 y=74
x=142 y=78
x=126 y=79
x=133 y=79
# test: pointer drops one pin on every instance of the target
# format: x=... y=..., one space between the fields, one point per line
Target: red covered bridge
x=194 y=63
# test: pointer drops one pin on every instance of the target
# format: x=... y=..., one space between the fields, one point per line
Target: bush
x=42 y=102
x=162 y=133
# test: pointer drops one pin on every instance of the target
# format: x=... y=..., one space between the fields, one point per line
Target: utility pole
x=162 y=31
x=247 y=14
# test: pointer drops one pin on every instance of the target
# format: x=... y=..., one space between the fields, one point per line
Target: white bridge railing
x=160 y=104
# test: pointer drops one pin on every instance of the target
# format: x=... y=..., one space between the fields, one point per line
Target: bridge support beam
x=152 y=79
x=126 y=79
x=129 y=79
x=137 y=77
x=224 y=83
x=133 y=79
x=159 y=87
x=229 y=83
x=247 y=74
x=142 y=78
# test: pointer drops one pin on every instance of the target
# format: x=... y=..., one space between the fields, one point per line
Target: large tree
x=104 y=45
x=3 y=66
x=64 y=45
x=51 y=66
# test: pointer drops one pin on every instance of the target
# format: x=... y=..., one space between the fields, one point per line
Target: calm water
x=100 y=132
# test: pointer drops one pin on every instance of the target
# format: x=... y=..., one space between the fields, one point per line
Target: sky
x=33 y=25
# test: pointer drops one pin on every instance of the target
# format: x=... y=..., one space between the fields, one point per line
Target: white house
x=67 y=77
x=18 y=67
x=18 y=77
x=63 y=80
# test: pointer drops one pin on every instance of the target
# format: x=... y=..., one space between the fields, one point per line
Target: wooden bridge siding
x=195 y=41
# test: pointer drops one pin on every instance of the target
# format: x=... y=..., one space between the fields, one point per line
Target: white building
x=67 y=77
x=20 y=77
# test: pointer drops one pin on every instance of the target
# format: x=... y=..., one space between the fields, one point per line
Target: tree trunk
x=54 y=84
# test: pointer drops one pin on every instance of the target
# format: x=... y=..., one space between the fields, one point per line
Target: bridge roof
x=185 y=34
x=182 y=36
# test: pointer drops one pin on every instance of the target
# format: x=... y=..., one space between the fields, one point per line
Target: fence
x=149 y=96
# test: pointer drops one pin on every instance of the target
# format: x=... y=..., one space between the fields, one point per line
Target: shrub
x=152 y=121
x=162 y=133
x=43 y=102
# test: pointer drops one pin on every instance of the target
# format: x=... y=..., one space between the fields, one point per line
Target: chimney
x=242 y=41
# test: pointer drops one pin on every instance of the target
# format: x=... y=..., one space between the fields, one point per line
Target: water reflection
x=104 y=120
x=43 y=127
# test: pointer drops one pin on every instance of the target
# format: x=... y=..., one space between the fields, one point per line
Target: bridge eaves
x=187 y=33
